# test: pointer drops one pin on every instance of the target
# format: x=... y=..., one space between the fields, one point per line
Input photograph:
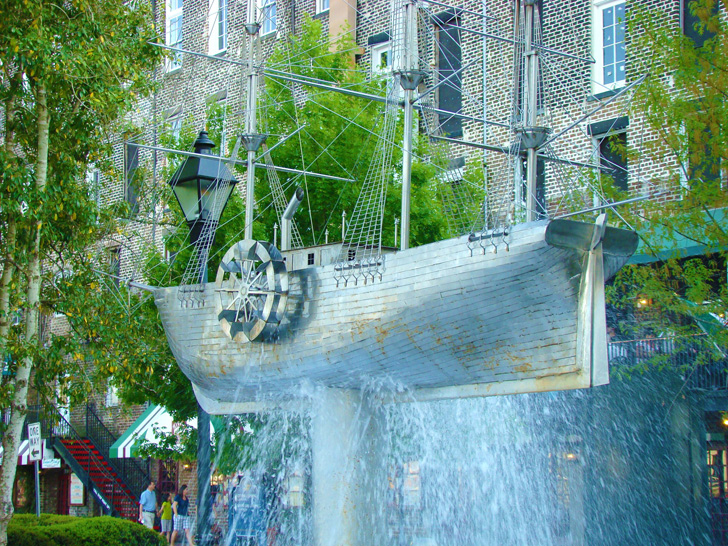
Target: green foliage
x=339 y=139
x=683 y=103
x=180 y=445
x=53 y=530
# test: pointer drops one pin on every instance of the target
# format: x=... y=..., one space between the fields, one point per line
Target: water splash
x=621 y=464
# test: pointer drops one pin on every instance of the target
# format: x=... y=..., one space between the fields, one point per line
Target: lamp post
x=202 y=185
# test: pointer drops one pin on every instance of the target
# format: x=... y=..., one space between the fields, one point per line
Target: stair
x=89 y=459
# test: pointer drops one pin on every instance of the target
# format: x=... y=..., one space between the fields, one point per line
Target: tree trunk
x=6 y=282
x=19 y=404
x=10 y=233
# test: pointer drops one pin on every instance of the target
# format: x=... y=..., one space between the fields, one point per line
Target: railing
x=60 y=428
x=133 y=475
x=33 y=416
x=704 y=365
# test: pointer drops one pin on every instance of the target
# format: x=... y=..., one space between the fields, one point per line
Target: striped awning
x=23 y=453
x=143 y=430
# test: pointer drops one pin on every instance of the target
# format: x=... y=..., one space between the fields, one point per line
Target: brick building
x=206 y=69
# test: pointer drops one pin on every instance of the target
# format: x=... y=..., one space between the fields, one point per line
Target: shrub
x=54 y=530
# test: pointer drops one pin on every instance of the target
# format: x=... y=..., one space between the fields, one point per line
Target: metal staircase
x=116 y=486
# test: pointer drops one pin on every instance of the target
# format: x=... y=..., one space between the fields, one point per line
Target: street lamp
x=202 y=185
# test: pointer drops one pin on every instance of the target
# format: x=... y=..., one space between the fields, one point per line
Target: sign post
x=35 y=455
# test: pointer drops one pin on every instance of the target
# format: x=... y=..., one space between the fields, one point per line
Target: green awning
x=679 y=246
x=127 y=445
x=143 y=430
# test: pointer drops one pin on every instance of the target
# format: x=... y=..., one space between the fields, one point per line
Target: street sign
x=50 y=463
x=34 y=443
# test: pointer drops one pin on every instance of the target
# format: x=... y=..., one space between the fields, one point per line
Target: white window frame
x=322 y=6
x=268 y=16
x=218 y=25
x=175 y=125
x=222 y=104
x=111 y=400
x=174 y=10
x=599 y=7
x=378 y=52
x=596 y=143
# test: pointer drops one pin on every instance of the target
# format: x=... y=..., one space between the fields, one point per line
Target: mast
x=531 y=136
x=251 y=139
x=410 y=78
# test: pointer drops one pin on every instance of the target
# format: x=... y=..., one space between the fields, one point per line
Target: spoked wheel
x=252 y=289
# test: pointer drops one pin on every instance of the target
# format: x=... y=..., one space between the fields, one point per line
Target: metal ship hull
x=443 y=322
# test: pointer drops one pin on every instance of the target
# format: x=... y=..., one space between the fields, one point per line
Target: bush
x=54 y=530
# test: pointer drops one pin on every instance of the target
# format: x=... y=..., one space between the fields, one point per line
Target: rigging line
x=199 y=54
x=469 y=99
x=603 y=105
x=334 y=85
x=303 y=159
x=305 y=62
x=562 y=84
x=389 y=142
x=565 y=182
x=445 y=80
x=515 y=42
x=282 y=141
x=461 y=9
x=609 y=205
x=278 y=103
x=332 y=141
x=324 y=44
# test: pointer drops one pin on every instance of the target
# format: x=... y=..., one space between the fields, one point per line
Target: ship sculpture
x=518 y=307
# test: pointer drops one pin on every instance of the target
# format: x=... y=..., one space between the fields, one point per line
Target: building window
x=217 y=123
x=175 y=126
x=691 y=24
x=702 y=164
x=268 y=16
x=311 y=258
x=93 y=180
x=218 y=26
x=170 y=255
x=381 y=58
x=610 y=142
x=112 y=396
x=608 y=37
x=613 y=159
x=174 y=33
x=449 y=61
x=131 y=165
x=322 y=5
x=115 y=263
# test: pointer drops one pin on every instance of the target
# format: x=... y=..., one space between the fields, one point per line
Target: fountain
x=614 y=465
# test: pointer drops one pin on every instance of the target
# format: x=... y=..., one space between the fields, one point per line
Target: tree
x=684 y=103
x=69 y=70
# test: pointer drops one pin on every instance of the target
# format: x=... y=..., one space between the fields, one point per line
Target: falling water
x=616 y=465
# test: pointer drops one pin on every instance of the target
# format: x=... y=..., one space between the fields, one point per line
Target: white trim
x=322 y=6
x=600 y=9
x=381 y=58
x=174 y=16
x=268 y=16
x=217 y=21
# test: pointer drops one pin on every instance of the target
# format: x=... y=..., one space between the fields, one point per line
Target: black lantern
x=202 y=186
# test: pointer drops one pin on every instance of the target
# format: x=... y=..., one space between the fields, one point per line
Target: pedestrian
x=148 y=505
x=165 y=517
x=180 y=507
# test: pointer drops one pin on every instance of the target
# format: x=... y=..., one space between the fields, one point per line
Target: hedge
x=54 y=530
